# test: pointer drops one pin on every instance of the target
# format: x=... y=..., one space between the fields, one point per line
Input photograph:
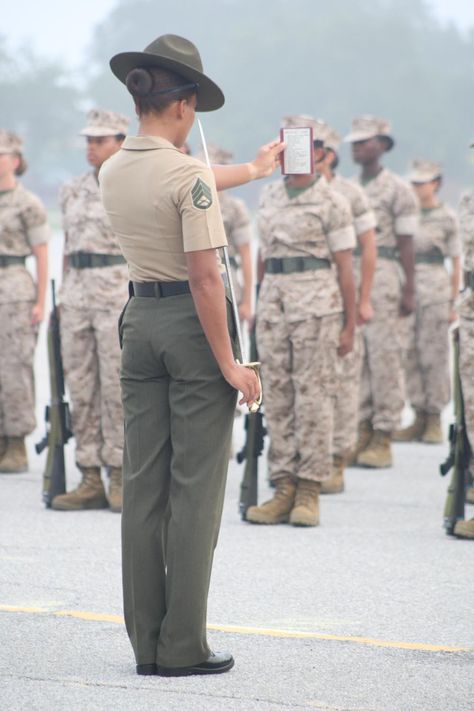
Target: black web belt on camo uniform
x=382 y=251
x=7 y=260
x=469 y=279
x=290 y=265
x=434 y=256
x=92 y=260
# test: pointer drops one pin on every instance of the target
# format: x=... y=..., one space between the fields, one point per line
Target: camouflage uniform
x=23 y=225
x=396 y=212
x=91 y=301
x=299 y=320
x=466 y=324
x=237 y=226
x=427 y=359
x=347 y=399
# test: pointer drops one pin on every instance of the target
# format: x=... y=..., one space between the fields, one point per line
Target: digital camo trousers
x=91 y=357
x=17 y=385
x=346 y=413
x=300 y=371
x=381 y=389
x=466 y=366
x=427 y=358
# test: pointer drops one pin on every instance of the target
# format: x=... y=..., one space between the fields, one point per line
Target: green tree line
x=273 y=57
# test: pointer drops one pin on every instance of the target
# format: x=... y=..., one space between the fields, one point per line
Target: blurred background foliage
x=333 y=60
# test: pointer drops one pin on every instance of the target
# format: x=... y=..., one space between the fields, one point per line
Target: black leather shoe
x=147 y=669
x=216 y=663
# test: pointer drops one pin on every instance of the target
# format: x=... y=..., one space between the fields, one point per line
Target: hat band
x=176 y=90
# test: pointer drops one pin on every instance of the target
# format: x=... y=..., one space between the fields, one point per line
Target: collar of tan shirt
x=146 y=143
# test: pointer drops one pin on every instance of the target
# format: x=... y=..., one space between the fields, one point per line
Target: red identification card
x=298 y=156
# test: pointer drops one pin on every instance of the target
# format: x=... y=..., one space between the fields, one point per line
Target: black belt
x=289 y=265
x=434 y=257
x=91 y=260
x=160 y=288
x=469 y=279
x=382 y=251
x=7 y=260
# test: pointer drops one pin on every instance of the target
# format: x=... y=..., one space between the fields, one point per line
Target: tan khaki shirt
x=161 y=204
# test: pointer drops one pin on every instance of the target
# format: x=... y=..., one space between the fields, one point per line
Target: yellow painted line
x=260 y=631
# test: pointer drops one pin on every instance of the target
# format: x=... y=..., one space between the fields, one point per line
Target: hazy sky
x=63 y=30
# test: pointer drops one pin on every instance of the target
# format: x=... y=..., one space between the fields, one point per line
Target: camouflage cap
x=306 y=121
x=105 y=123
x=10 y=142
x=424 y=171
x=366 y=127
x=219 y=155
x=332 y=140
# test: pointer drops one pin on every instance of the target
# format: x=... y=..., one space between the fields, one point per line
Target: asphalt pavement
x=371 y=611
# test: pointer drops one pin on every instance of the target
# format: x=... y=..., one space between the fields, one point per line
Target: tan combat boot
x=335 y=483
x=276 y=510
x=433 y=433
x=90 y=494
x=378 y=455
x=464 y=529
x=414 y=432
x=115 y=489
x=363 y=438
x=15 y=459
x=306 y=509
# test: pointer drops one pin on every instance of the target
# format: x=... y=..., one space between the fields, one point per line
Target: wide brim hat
x=178 y=55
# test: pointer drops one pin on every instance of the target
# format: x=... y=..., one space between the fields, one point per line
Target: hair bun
x=139 y=82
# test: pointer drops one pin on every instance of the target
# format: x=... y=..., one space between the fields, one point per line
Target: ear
x=181 y=108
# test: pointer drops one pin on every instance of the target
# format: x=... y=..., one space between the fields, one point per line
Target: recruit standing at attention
x=23 y=231
x=427 y=360
x=92 y=294
x=305 y=326
x=179 y=375
x=396 y=212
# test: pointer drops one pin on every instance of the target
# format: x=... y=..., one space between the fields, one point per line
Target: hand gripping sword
x=255 y=366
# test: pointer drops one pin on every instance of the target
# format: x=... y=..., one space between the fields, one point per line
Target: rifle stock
x=57 y=416
x=459 y=454
x=252 y=449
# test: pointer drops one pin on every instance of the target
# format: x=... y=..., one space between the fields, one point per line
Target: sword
x=225 y=251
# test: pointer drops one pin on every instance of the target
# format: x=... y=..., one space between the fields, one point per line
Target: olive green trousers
x=179 y=413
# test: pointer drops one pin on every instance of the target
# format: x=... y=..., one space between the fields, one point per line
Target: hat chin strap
x=175 y=90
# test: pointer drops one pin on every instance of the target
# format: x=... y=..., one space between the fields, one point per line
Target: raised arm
x=265 y=162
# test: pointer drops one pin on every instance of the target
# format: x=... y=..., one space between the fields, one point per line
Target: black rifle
x=57 y=417
x=252 y=449
x=459 y=453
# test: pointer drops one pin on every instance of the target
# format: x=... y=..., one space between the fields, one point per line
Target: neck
x=300 y=181
x=371 y=170
x=429 y=202
x=7 y=182
x=162 y=127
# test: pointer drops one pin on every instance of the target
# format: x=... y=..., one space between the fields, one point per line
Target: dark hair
x=22 y=165
x=146 y=85
x=120 y=137
x=335 y=160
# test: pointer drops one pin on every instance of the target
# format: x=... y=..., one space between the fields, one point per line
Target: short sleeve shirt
x=23 y=222
x=85 y=222
x=23 y=225
x=316 y=222
x=363 y=215
x=395 y=206
x=438 y=230
x=161 y=204
x=236 y=222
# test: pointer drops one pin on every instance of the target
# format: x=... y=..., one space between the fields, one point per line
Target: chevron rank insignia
x=201 y=195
